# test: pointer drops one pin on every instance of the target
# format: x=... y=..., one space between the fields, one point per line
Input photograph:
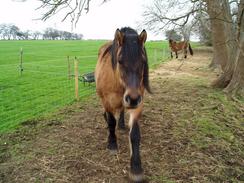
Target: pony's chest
x=112 y=101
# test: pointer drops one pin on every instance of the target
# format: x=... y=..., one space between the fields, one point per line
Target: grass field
x=190 y=132
x=44 y=85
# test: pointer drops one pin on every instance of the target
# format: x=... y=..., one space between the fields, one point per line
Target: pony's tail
x=190 y=49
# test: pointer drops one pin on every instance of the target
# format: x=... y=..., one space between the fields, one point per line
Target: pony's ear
x=119 y=36
x=143 y=37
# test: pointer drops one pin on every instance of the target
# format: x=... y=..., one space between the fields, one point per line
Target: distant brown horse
x=121 y=77
x=183 y=45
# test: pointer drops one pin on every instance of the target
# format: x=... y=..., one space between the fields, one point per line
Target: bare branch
x=72 y=9
x=159 y=16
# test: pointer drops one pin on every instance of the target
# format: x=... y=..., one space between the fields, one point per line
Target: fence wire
x=45 y=87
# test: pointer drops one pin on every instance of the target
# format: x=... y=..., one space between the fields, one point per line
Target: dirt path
x=190 y=133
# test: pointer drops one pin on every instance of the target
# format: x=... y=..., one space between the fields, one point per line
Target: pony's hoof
x=113 y=151
x=113 y=148
x=136 y=178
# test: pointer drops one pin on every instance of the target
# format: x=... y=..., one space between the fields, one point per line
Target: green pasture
x=44 y=85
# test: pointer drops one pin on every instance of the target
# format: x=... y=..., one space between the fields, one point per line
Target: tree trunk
x=236 y=85
x=219 y=36
x=230 y=47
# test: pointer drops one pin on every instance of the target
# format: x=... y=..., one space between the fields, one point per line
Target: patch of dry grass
x=190 y=133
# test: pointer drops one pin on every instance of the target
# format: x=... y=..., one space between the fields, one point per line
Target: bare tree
x=173 y=34
x=3 y=30
x=235 y=71
x=36 y=35
x=13 y=31
x=66 y=35
x=54 y=34
x=9 y=31
x=72 y=9
x=226 y=28
x=203 y=28
x=216 y=15
x=26 y=34
x=186 y=30
x=175 y=14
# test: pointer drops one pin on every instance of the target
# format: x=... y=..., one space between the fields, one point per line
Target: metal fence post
x=76 y=79
x=69 y=74
x=21 y=61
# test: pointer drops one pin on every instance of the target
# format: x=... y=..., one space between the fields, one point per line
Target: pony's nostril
x=139 y=99
x=127 y=99
x=132 y=102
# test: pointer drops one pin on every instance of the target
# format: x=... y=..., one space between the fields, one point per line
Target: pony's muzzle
x=132 y=101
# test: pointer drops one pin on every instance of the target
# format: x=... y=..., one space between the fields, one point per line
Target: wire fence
x=46 y=86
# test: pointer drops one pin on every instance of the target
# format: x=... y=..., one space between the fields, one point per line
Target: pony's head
x=129 y=60
x=171 y=41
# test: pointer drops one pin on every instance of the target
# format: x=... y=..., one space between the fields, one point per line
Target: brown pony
x=174 y=46
x=121 y=77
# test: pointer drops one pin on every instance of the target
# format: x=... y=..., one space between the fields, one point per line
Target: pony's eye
x=120 y=61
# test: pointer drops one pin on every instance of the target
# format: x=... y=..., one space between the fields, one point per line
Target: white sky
x=100 y=23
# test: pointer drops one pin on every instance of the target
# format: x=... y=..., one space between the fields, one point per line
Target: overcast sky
x=100 y=23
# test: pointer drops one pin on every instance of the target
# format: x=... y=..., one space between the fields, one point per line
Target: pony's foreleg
x=176 y=54
x=136 y=171
x=185 y=52
x=171 y=54
x=112 y=140
x=121 y=124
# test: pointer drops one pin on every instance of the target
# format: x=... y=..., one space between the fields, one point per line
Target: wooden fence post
x=69 y=74
x=21 y=61
x=76 y=79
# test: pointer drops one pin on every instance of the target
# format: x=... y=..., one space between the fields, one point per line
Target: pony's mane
x=132 y=48
x=108 y=49
x=131 y=45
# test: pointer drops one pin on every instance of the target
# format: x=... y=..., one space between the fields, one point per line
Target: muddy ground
x=190 y=133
